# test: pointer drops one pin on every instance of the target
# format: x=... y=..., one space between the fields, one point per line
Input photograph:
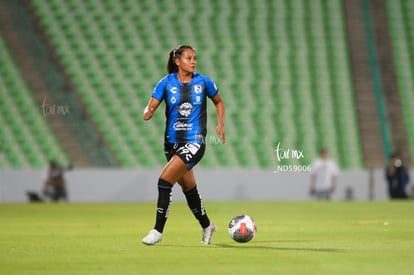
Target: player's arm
x=150 y=108
x=218 y=101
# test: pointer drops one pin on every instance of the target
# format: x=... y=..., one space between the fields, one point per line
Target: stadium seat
x=270 y=59
x=402 y=33
x=27 y=141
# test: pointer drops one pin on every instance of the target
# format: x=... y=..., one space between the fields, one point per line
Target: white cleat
x=208 y=233
x=152 y=238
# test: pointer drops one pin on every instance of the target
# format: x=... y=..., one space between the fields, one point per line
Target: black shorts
x=190 y=153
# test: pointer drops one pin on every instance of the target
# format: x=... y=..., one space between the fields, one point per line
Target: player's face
x=187 y=61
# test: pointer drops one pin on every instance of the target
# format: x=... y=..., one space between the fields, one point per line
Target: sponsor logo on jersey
x=185 y=109
x=182 y=126
x=173 y=90
x=173 y=100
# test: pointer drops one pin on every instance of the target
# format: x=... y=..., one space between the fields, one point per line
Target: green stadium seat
x=262 y=54
x=23 y=119
x=401 y=28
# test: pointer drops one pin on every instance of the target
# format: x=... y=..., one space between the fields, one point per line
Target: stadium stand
x=283 y=74
x=402 y=32
x=111 y=39
x=26 y=140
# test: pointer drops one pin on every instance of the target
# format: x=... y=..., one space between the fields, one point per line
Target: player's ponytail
x=171 y=66
x=175 y=53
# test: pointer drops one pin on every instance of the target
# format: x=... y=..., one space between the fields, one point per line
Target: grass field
x=292 y=238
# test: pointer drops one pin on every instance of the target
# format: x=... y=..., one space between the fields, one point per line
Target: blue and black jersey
x=186 y=109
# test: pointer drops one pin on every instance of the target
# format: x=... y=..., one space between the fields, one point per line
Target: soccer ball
x=242 y=228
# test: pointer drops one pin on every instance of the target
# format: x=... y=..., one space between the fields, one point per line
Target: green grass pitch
x=292 y=238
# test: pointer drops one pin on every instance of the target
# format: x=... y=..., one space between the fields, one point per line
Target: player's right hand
x=148 y=112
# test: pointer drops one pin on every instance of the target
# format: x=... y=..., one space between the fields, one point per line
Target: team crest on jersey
x=198 y=89
x=185 y=109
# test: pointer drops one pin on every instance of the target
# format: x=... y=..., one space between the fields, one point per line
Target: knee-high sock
x=196 y=205
x=163 y=204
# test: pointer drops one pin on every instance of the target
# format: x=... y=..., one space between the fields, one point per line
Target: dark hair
x=395 y=155
x=53 y=163
x=323 y=150
x=176 y=53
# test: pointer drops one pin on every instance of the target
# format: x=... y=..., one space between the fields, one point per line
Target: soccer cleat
x=152 y=238
x=208 y=233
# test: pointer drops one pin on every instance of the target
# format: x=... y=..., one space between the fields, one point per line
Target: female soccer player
x=184 y=92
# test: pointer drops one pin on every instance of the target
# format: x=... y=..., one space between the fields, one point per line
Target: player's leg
x=187 y=181
x=174 y=170
x=195 y=203
x=191 y=154
x=189 y=187
x=182 y=157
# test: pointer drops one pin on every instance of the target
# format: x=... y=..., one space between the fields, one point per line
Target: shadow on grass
x=274 y=245
x=263 y=245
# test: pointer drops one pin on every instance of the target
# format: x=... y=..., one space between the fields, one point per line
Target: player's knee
x=164 y=184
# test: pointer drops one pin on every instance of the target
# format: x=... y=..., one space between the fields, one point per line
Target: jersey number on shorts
x=190 y=150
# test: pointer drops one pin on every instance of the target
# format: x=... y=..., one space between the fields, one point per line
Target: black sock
x=197 y=207
x=163 y=204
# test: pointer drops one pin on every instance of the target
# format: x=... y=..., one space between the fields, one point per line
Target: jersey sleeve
x=159 y=90
x=212 y=89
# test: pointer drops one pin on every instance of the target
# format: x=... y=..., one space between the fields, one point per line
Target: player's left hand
x=220 y=133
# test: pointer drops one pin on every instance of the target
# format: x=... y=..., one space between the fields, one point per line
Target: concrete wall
x=120 y=185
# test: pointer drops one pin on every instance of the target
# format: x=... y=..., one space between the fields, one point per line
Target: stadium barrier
x=136 y=185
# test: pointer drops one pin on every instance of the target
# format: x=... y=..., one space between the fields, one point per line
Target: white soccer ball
x=242 y=228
